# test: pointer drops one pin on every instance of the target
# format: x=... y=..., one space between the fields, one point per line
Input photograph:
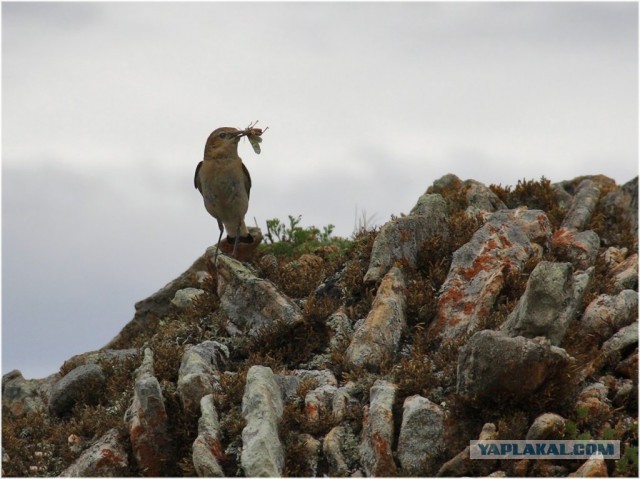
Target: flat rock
x=477 y=272
x=74 y=386
x=421 y=435
x=378 y=337
x=493 y=366
x=105 y=458
x=251 y=302
x=262 y=407
x=402 y=238
x=207 y=450
x=376 y=454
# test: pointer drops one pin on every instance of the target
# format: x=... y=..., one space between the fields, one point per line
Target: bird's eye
x=222 y=135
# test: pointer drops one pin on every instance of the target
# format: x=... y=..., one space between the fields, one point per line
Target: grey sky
x=106 y=108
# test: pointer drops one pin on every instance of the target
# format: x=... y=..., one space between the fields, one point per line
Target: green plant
x=283 y=239
x=627 y=466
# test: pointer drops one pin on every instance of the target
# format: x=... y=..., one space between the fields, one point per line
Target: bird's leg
x=236 y=241
x=215 y=257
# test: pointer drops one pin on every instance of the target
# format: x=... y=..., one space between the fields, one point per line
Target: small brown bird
x=224 y=183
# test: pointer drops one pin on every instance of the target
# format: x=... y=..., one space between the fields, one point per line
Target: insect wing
x=255 y=143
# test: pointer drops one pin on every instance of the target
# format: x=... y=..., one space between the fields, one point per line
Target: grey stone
x=105 y=458
x=251 y=302
x=582 y=207
x=185 y=297
x=493 y=366
x=341 y=329
x=21 y=396
x=622 y=341
x=207 y=449
x=402 y=238
x=377 y=338
x=478 y=269
x=318 y=403
x=622 y=204
x=332 y=449
x=74 y=386
x=607 y=314
x=421 y=435
x=199 y=372
x=547 y=306
x=625 y=274
x=376 y=454
x=289 y=383
x=262 y=407
x=480 y=197
x=147 y=420
x=547 y=426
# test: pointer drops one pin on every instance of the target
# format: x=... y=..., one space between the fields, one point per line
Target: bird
x=225 y=185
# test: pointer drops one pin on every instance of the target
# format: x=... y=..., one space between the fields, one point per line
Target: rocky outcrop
x=262 y=452
x=548 y=304
x=402 y=238
x=207 y=449
x=21 y=396
x=376 y=454
x=377 y=337
x=477 y=272
x=199 y=372
x=251 y=302
x=493 y=366
x=105 y=458
x=147 y=420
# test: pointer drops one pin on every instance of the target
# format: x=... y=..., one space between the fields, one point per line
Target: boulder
x=402 y=238
x=21 y=396
x=625 y=274
x=421 y=435
x=262 y=407
x=251 y=302
x=376 y=455
x=377 y=338
x=185 y=297
x=105 y=458
x=493 y=366
x=580 y=248
x=547 y=426
x=607 y=314
x=621 y=343
x=83 y=382
x=582 y=206
x=478 y=269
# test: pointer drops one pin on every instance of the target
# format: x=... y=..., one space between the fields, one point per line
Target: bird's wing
x=247 y=179
x=196 y=179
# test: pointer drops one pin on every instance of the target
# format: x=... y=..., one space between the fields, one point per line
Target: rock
x=628 y=367
x=341 y=331
x=493 y=366
x=376 y=455
x=421 y=435
x=547 y=426
x=377 y=338
x=607 y=314
x=592 y=404
x=185 y=297
x=199 y=372
x=245 y=251
x=342 y=401
x=289 y=383
x=311 y=452
x=21 y=396
x=262 y=407
x=582 y=207
x=402 y=238
x=580 y=248
x=613 y=256
x=622 y=204
x=147 y=420
x=207 y=450
x=625 y=274
x=318 y=403
x=592 y=467
x=251 y=302
x=548 y=304
x=102 y=355
x=462 y=464
x=106 y=458
x=82 y=383
x=563 y=197
x=332 y=449
x=481 y=198
x=621 y=342
x=477 y=272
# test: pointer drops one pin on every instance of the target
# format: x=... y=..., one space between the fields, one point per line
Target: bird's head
x=223 y=141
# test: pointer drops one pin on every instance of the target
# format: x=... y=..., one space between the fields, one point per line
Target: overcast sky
x=106 y=108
